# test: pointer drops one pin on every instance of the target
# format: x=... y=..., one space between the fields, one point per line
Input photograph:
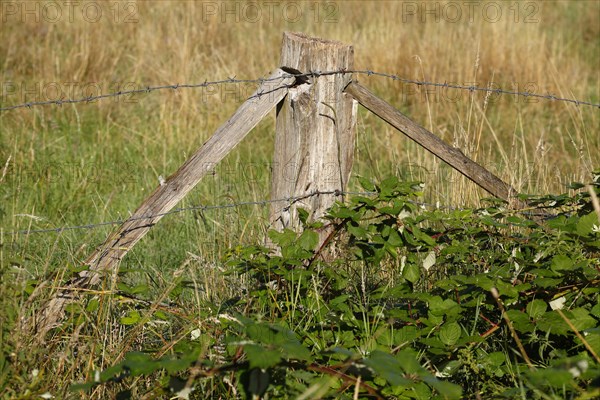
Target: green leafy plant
x=400 y=302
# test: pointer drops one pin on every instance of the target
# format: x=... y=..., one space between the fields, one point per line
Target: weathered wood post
x=315 y=130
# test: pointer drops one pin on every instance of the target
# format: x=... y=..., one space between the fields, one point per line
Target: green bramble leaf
x=261 y=357
x=586 y=224
x=366 y=184
x=450 y=333
x=138 y=363
x=388 y=367
x=308 y=240
x=536 y=308
x=446 y=390
x=581 y=319
x=561 y=262
x=411 y=272
x=302 y=215
x=520 y=321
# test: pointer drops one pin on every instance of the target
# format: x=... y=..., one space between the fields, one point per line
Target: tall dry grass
x=537 y=145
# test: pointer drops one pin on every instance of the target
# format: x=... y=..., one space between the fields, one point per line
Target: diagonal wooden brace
x=451 y=155
x=166 y=196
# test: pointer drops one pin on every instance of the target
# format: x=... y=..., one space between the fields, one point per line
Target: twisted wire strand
x=289 y=200
x=311 y=74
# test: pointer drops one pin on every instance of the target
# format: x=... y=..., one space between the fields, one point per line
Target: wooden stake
x=165 y=197
x=451 y=155
x=315 y=130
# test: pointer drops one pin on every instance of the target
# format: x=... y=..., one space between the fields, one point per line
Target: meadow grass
x=88 y=163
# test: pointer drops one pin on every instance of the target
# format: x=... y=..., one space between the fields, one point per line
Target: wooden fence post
x=314 y=148
x=315 y=130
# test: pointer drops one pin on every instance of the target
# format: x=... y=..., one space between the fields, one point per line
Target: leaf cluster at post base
x=405 y=309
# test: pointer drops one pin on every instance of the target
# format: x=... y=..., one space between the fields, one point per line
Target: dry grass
x=536 y=145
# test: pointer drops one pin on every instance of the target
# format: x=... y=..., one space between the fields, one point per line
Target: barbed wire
x=311 y=74
x=473 y=88
x=233 y=80
x=290 y=200
x=147 y=89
